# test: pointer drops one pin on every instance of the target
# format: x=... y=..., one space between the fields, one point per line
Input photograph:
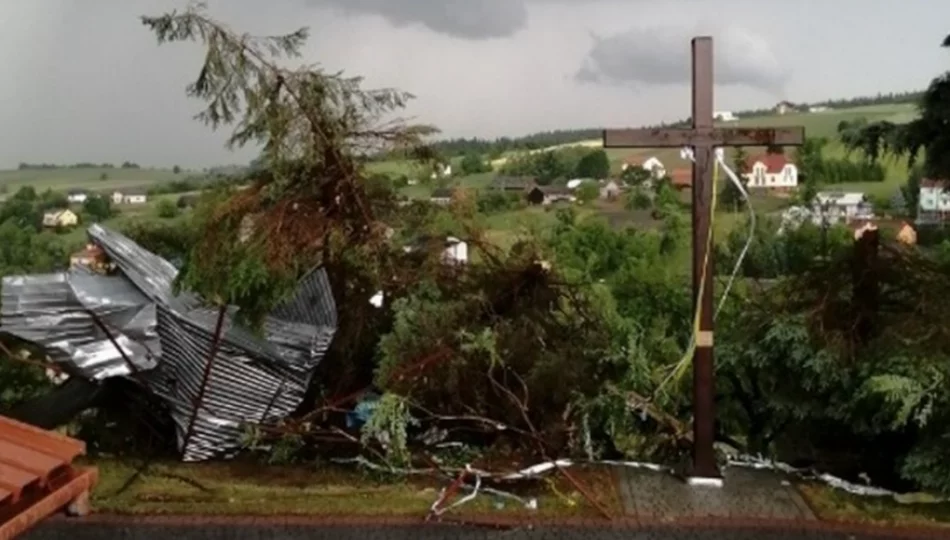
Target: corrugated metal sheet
x=81 y=318
x=36 y=475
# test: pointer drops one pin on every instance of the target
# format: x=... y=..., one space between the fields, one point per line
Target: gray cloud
x=661 y=56
x=467 y=19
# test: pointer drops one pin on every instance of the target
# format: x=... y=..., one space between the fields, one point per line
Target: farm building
x=549 y=194
x=835 y=207
x=442 y=196
x=725 y=116
x=129 y=197
x=78 y=196
x=655 y=167
x=60 y=218
x=771 y=171
x=682 y=179
x=513 y=183
x=933 y=202
x=785 y=107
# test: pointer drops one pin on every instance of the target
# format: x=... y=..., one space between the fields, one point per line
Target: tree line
x=496 y=147
x=23 y=166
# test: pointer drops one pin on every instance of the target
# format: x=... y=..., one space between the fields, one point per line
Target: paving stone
x=746 y=493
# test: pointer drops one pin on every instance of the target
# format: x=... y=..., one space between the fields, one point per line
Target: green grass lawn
x=246 y=488
x=128 y=213
x=91 y=179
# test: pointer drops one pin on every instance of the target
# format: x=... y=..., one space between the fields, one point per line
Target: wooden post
x=703 y=137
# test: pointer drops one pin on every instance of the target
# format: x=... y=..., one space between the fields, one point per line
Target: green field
x=90 y=179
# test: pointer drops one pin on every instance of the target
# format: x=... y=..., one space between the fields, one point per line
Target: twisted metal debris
x=132 y=324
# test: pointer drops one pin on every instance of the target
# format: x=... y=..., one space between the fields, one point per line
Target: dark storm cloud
x=661 y=56
x=467 y=19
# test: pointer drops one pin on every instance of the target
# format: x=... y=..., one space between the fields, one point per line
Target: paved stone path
x=746 y=493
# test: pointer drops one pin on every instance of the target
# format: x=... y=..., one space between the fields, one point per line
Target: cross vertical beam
x=704 y=414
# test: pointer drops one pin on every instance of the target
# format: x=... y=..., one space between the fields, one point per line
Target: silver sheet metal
x=167 y=339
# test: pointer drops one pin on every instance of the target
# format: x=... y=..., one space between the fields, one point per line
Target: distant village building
x=818 y=109
x=682 y=179
x=933 y=206
x=655 y=167
x=549 y=194
x=129 y=197
x=784 y=107
x=513 y=183
x=92 y=257
x=77 y=196
x=65 y=218
x=725 y=116
x=838 y=207
x=441 y=196
x=610 y=190
x=773 y=171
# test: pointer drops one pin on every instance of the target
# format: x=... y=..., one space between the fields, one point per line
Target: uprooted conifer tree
x=502 y=341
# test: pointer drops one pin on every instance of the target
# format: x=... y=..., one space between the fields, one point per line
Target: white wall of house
x=456 y=252
x=77 y=197
x=845 y=207
x=655 y=166
x=761 y=177
x=117 y=197
x=135 y=199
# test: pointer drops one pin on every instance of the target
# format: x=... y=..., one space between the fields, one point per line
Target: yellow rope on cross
x=681 y=367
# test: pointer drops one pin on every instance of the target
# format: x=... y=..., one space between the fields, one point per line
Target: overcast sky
x=82 y=80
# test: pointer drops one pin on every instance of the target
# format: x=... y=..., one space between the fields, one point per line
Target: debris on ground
x=126 y=320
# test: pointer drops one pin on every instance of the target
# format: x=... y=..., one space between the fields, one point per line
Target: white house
x=837 y=207
x=725 y=116
x=129 y=197
x=933 y=206
x=771 y=171
x=610 y=190
x=654 y=166
x=77 y=196
x=818 y=108
x=456 y=251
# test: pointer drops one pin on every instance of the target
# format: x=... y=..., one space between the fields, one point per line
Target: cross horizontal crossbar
x=676 y=137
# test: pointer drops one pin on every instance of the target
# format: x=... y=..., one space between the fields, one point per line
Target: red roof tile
x=931 y=182
x=36 y=475
x=682 y=177
x=774 y=163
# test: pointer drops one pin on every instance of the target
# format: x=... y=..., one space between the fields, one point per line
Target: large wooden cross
x=703 y=137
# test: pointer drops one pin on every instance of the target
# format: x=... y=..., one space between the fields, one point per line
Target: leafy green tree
x=549 y=167
x=474 y=164
x=98 y=208
x=593 y=165
x=166 y=209
x=308 y=122
x=635 y=176
x=176 y=169
x=587 y=191
x=638 y=198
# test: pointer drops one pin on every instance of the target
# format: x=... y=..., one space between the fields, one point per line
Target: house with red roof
x=771 y=171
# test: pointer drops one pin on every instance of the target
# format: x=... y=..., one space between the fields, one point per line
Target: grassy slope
x=246 y=488
x=65 y=179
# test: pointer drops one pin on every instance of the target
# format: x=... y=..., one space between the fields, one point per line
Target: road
x=57 y=529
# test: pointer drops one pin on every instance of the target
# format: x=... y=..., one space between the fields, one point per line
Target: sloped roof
x=774 y=163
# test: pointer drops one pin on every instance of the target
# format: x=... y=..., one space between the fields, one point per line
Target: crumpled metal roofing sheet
x=80 y=317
